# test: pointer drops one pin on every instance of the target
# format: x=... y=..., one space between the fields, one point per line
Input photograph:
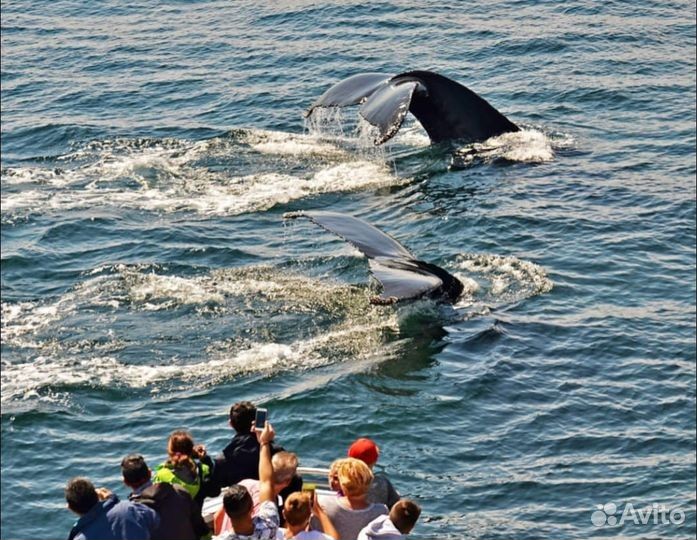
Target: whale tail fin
x=401 y=275
x=446 y=109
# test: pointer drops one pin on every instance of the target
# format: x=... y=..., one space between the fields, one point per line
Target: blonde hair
x=355 y=476
x=297 y=508
x=284 y=464
x=333 y=478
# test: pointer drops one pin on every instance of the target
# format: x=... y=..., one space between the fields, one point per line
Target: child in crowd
x=396 y=525
x=188 y=465
x=298 y=509
x=381 y=490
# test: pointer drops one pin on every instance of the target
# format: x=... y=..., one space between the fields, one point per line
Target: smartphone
x=310 y=488
x=260 y=419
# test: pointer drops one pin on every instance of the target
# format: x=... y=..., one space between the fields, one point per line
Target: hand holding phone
x=260 y=419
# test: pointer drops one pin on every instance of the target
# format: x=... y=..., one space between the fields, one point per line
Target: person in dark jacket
x=180 y=517
x=104 y=517
x=240 y=458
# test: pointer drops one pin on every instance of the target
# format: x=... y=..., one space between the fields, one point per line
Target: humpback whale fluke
x=401 y=275
x=446 y=109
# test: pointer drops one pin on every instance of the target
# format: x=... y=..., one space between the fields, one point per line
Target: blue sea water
x=149 y=280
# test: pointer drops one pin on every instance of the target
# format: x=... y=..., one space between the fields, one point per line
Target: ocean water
x=149 y=280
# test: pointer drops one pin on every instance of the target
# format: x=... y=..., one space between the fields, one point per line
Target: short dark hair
x=242 y=415
x=404 y=514
x=237 y=501
x=134 y=469
x=80 y=495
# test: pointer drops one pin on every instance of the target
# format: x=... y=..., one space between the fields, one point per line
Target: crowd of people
x=264 y=497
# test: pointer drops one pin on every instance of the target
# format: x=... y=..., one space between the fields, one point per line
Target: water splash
x=525 y=146
x=289 y=144
x=499 y=280
x=171 y=176
x=356 y=329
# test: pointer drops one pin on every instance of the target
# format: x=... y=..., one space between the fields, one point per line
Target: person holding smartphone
x=238 y=502
x=240 y=458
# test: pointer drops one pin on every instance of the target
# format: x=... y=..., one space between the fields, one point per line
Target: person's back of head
x=404 y=514
x=242 y=415
x=134 y=470
x=80 y=495
x=365 y=450
x=297 y=509
x=285 y=465
x=354 y=477
x=180 y=449
x=237 y=502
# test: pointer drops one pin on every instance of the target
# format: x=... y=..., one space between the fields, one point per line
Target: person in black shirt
x=239 y=460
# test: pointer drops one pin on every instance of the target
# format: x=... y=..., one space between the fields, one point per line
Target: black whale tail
x=446 y=109
x=401 y=275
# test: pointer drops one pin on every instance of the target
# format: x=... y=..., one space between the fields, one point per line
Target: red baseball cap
x=365 y=450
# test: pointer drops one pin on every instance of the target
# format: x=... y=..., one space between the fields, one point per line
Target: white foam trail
x=527 y=146
x=359 y=331
x=164 y=178
x=21 y=322
x=508 y=278
x=281 y=143
x=30 y=380
x=27 y=318
x=174 y=290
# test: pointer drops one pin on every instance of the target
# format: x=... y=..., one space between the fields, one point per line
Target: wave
x=281 y=143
